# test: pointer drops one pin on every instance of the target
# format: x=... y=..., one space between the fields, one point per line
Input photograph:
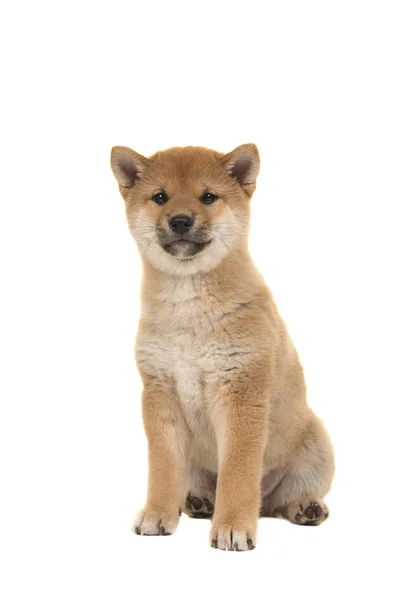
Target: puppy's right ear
x=127 y=166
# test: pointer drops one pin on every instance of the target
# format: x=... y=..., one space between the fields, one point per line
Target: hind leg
x=200 y=493
x=299 y=496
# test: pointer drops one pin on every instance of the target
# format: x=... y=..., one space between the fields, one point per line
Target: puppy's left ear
x=243 y=163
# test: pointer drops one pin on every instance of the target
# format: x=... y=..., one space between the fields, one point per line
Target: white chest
x=176 y=358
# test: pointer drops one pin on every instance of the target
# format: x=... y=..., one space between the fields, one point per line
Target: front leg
x=165 y=436
x=240 y=418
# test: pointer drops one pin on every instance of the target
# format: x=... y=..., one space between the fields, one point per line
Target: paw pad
x=199 y=508
x=310 y=513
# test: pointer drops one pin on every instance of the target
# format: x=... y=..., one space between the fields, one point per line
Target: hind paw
x=307 y=512
x=198 y=508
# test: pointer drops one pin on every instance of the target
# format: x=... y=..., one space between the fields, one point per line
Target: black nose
x=180 y=223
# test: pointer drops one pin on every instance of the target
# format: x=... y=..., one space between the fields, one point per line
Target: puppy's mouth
x=185 y=248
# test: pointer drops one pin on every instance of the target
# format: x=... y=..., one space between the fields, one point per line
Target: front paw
x=233 y=536
x=151 y=522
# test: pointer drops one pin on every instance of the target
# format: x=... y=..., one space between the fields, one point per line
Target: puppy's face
x=187 y=208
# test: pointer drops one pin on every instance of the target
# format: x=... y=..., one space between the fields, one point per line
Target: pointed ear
x=243 y=163
x=127 y=166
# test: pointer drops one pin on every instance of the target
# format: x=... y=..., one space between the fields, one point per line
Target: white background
x=316 y=86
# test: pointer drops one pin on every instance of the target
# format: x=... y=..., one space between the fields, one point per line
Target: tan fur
x=224 y=398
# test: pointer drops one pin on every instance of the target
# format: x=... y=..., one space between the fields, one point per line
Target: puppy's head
x=187 y=208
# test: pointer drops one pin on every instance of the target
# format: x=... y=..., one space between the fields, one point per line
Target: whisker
x=221 y=242
x=148 y=243
x=197 y=268
x=235 y=235
x=177 y=267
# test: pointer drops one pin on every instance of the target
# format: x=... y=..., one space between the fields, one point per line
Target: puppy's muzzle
x=182 y=238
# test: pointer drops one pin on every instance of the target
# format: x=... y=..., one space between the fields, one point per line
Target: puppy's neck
x=236 y=274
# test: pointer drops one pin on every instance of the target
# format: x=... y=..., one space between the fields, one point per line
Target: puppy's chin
x=183 y=265
x=185 y=249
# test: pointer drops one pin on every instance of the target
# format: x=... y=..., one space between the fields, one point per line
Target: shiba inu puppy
x=230 y=434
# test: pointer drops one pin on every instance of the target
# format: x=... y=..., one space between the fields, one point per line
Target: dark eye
x=208 y=198
x=160 y=198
